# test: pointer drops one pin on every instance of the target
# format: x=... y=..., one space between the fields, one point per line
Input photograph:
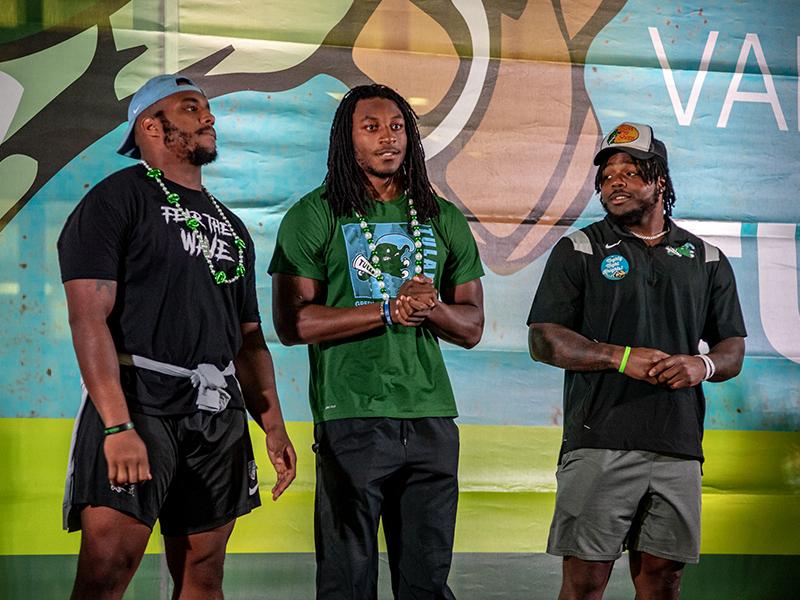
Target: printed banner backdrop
x=513 y=98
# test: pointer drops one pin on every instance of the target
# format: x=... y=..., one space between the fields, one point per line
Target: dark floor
x=473 y=577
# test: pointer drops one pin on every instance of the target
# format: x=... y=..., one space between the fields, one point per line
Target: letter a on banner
x=768 y=97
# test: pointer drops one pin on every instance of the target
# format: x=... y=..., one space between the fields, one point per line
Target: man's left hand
x=416 y=298
x=679 y=371
x=282 y=456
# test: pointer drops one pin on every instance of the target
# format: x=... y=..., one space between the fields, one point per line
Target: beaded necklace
x=192 y=224
x=416 y=235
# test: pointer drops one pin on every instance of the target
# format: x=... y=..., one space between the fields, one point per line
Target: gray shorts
x=610 y=500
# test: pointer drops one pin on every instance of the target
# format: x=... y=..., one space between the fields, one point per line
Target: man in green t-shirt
x=370 y=270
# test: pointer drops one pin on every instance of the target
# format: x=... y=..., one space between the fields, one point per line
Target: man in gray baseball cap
x=160 y=285
x=634 y=138
x=622 y=307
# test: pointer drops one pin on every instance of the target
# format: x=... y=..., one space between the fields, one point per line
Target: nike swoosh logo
x=252 y=490
x=612 y=245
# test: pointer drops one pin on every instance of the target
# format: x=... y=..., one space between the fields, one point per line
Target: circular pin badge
x=614 y=267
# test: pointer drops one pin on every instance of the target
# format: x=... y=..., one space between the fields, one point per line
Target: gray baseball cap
x=155 y=89
x=634 y=138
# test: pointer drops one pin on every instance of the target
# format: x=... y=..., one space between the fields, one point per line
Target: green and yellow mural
x=513 y=96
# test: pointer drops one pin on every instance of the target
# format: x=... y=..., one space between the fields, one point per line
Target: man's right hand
x=126 y=456
x=415 y=300
x=641 y=360
x=90 y=302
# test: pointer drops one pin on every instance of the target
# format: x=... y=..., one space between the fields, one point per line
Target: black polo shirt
x=611 y=287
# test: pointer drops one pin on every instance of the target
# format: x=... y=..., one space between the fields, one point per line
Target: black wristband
x=118 y=428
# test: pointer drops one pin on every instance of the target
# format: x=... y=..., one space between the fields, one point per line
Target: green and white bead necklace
x=220 y=277
x=416 y=235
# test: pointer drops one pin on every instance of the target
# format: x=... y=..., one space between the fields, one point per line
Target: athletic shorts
x=610 y=500
x=204 y=474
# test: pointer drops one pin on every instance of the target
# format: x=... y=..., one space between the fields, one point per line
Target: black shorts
x=204 y=474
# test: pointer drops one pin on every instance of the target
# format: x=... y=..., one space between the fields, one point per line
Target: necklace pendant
x=192 y=224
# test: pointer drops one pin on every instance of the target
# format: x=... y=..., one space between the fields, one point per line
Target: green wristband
x=624 y=362
x=118 y=428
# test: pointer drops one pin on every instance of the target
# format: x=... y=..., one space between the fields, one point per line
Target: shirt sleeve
x=724 y=318
x=93 y=238
x=249 y=312
x=303 y=239
x=463 y=263
x=559 y=297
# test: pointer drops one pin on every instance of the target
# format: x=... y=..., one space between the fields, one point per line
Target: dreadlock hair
x=652 y=169
x=347 y=188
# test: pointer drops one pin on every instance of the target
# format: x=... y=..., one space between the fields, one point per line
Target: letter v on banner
x=684 y=116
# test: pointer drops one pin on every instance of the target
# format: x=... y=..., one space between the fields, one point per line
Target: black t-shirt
x=609 y=286
x=168 y=307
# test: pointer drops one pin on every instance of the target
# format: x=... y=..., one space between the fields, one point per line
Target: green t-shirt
x=392 y=372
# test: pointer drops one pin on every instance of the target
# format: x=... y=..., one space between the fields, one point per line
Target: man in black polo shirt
x=622 y=306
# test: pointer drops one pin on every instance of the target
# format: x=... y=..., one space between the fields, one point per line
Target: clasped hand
x=659 y=368
x=415 y=301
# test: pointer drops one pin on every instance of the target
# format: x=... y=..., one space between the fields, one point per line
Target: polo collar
x=675 y=233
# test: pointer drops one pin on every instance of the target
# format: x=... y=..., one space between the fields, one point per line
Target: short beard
x=200 y=156
x=177 y=139
x=630 y=218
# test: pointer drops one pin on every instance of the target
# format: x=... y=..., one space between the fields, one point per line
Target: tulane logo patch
x=687 y=250
x=614 y=267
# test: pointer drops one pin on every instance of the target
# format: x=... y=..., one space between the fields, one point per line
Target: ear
x=660 y=185
x=150 y=126
x=148 y=130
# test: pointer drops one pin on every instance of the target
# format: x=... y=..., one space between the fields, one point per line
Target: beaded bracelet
x=117 y=428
